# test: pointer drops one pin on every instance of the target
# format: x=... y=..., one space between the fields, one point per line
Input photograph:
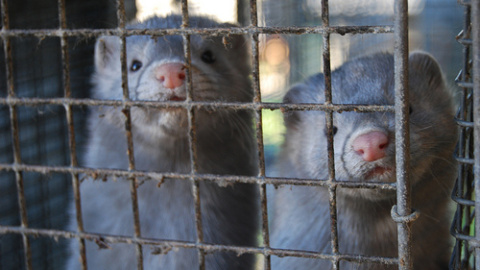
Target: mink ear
x=239 y=45
x=299 y=93
x=107 y=53
x=425 y=69
x=235 y=42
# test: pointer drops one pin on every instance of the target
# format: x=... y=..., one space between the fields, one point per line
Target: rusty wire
x=103 y=174
x=192 y=136
x=7 y=46
x=13 y=101
x=332 y=188
x=92 y=33
x=182 y=244
x=121 y=17
x=257 y=99
x=402 y=211
x=71 y=131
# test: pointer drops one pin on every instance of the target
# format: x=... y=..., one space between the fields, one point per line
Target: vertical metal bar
x=253 y=13
x=192 y=138
x=71 y=130
x=464 y=151
x=475 y=13
x=242 y=12
x=469 y=145
x=189 y=86
x=265 y=231
x=7 y=47
x=332 y=188
x=64 y=49
x=5 y=20
x=326 y=53
x=402 y=133
x=257 y=98
x=128 y=130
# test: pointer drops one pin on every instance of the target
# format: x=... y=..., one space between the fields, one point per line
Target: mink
x=224 y=140
x=364 y=151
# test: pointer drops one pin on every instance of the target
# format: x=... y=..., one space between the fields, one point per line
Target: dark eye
x=208 y=57
x=410 y=110
x=136 y=65
x=334 y=129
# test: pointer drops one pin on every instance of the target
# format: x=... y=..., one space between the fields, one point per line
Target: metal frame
x=475 y=6
x=402 y=213
x=466 y=253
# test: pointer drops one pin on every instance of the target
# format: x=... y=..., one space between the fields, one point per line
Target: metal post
x=22 y=204
x=128 y=130
x=257 y=99
x=475 y=15
x=71 y=130
x=402 y=211
x=332 y=187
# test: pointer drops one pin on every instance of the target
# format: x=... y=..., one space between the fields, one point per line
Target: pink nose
x=371 y=146
x=171 y=75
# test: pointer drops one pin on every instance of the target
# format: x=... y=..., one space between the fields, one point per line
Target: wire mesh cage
x=464 y=192
x=45 y=70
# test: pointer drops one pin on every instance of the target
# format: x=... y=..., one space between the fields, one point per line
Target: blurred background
x=284 y=60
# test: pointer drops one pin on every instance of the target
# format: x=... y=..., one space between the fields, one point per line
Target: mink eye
x=208 y=57
x=334 y=129
x=136 y=65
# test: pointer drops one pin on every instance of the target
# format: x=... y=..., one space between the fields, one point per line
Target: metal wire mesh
x=465 y=190
x=34 y=70
x=18 y=166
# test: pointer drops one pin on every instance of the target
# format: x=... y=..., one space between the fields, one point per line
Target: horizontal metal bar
x=195 y=104
x=465 y=84
x=472 y=241
x=103 y=173
x=465 y=41
x=468 y=161
x=464 y=123
x=341 y=30
x=462 y=201
x=168 y=244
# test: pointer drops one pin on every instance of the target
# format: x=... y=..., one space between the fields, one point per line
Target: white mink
x=364 y=150
x=225 y=145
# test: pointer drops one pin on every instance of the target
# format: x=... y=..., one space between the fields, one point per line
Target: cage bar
x=475 y=9
x=332 y=187
x=134 y=183
x=463 y=192
x=153 y=176
x=7 y=47
x=71 y=130
x=332 y=190
x=294 y=30
x=257 y=99
x=197 y=104
x=192 y=137
x=402 y=212
x=206 y=247
x=402 y=186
